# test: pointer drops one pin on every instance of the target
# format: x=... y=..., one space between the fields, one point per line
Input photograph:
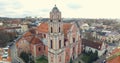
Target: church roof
x=43 y=27
x=66 y=27
x=35 y=40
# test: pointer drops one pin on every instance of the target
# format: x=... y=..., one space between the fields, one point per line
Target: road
x=13 y=54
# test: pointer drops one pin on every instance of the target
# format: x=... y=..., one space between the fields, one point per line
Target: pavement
x=15 y=58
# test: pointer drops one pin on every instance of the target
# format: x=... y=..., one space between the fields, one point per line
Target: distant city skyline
x=69 y=8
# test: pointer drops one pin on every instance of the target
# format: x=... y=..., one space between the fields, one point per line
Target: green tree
x=89 y=56
x=4 y=38
x=26 y=57
x=71 y=60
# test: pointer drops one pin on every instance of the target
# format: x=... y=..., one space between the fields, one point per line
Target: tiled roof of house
x=8 y=28
x=116 y=50
x=115 y=56
x=27 y=34
x=13 y=27
x=93 y=44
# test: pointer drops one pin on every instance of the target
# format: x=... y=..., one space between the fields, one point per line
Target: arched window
x=64 y=43
x=73 y=39
x=44 y=36
x=59 y=20
x=51 y=30
x=39 y=48
x=59 y=43
x=59 y=29
x=50 y=20
x=51 y=46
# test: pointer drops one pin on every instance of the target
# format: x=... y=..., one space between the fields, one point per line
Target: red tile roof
x=116 y=50
x=66 y=27
x=115 y=60
x=44 y=27
x=27 y=34
x=35 y=40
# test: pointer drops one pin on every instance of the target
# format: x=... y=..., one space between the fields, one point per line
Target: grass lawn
x=42 y=60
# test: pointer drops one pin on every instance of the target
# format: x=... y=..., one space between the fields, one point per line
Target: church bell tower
x=55 y=37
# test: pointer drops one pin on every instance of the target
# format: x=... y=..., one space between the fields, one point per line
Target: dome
x=55 y=9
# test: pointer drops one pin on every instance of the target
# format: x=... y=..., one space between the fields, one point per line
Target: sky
x=68 y=8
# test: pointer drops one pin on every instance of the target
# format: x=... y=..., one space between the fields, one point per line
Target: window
x=39 y=48
x=59 y=43
x=59 y=20
x=44 y=36
x=50 y=20
x=73 y=39
x=51 y=30
x=51 y=44
x=59 y=29
x=64 y=43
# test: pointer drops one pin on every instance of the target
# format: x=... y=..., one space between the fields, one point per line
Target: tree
x=71 y=60
x=42 y=59
x=26 y=57
x=4 y=38
x=89 y=56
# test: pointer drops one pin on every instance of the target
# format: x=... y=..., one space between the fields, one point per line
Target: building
x=57 y=40
x=1 y=23
x=91 y=45
x=84 y=26
x=5 y=55
x=24 y=27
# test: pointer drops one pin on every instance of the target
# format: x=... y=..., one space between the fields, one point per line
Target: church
x=56 y=40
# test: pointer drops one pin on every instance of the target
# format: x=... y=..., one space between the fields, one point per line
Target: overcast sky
x=69 y=8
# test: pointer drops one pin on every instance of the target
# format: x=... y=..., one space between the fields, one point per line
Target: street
x=13 y=54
